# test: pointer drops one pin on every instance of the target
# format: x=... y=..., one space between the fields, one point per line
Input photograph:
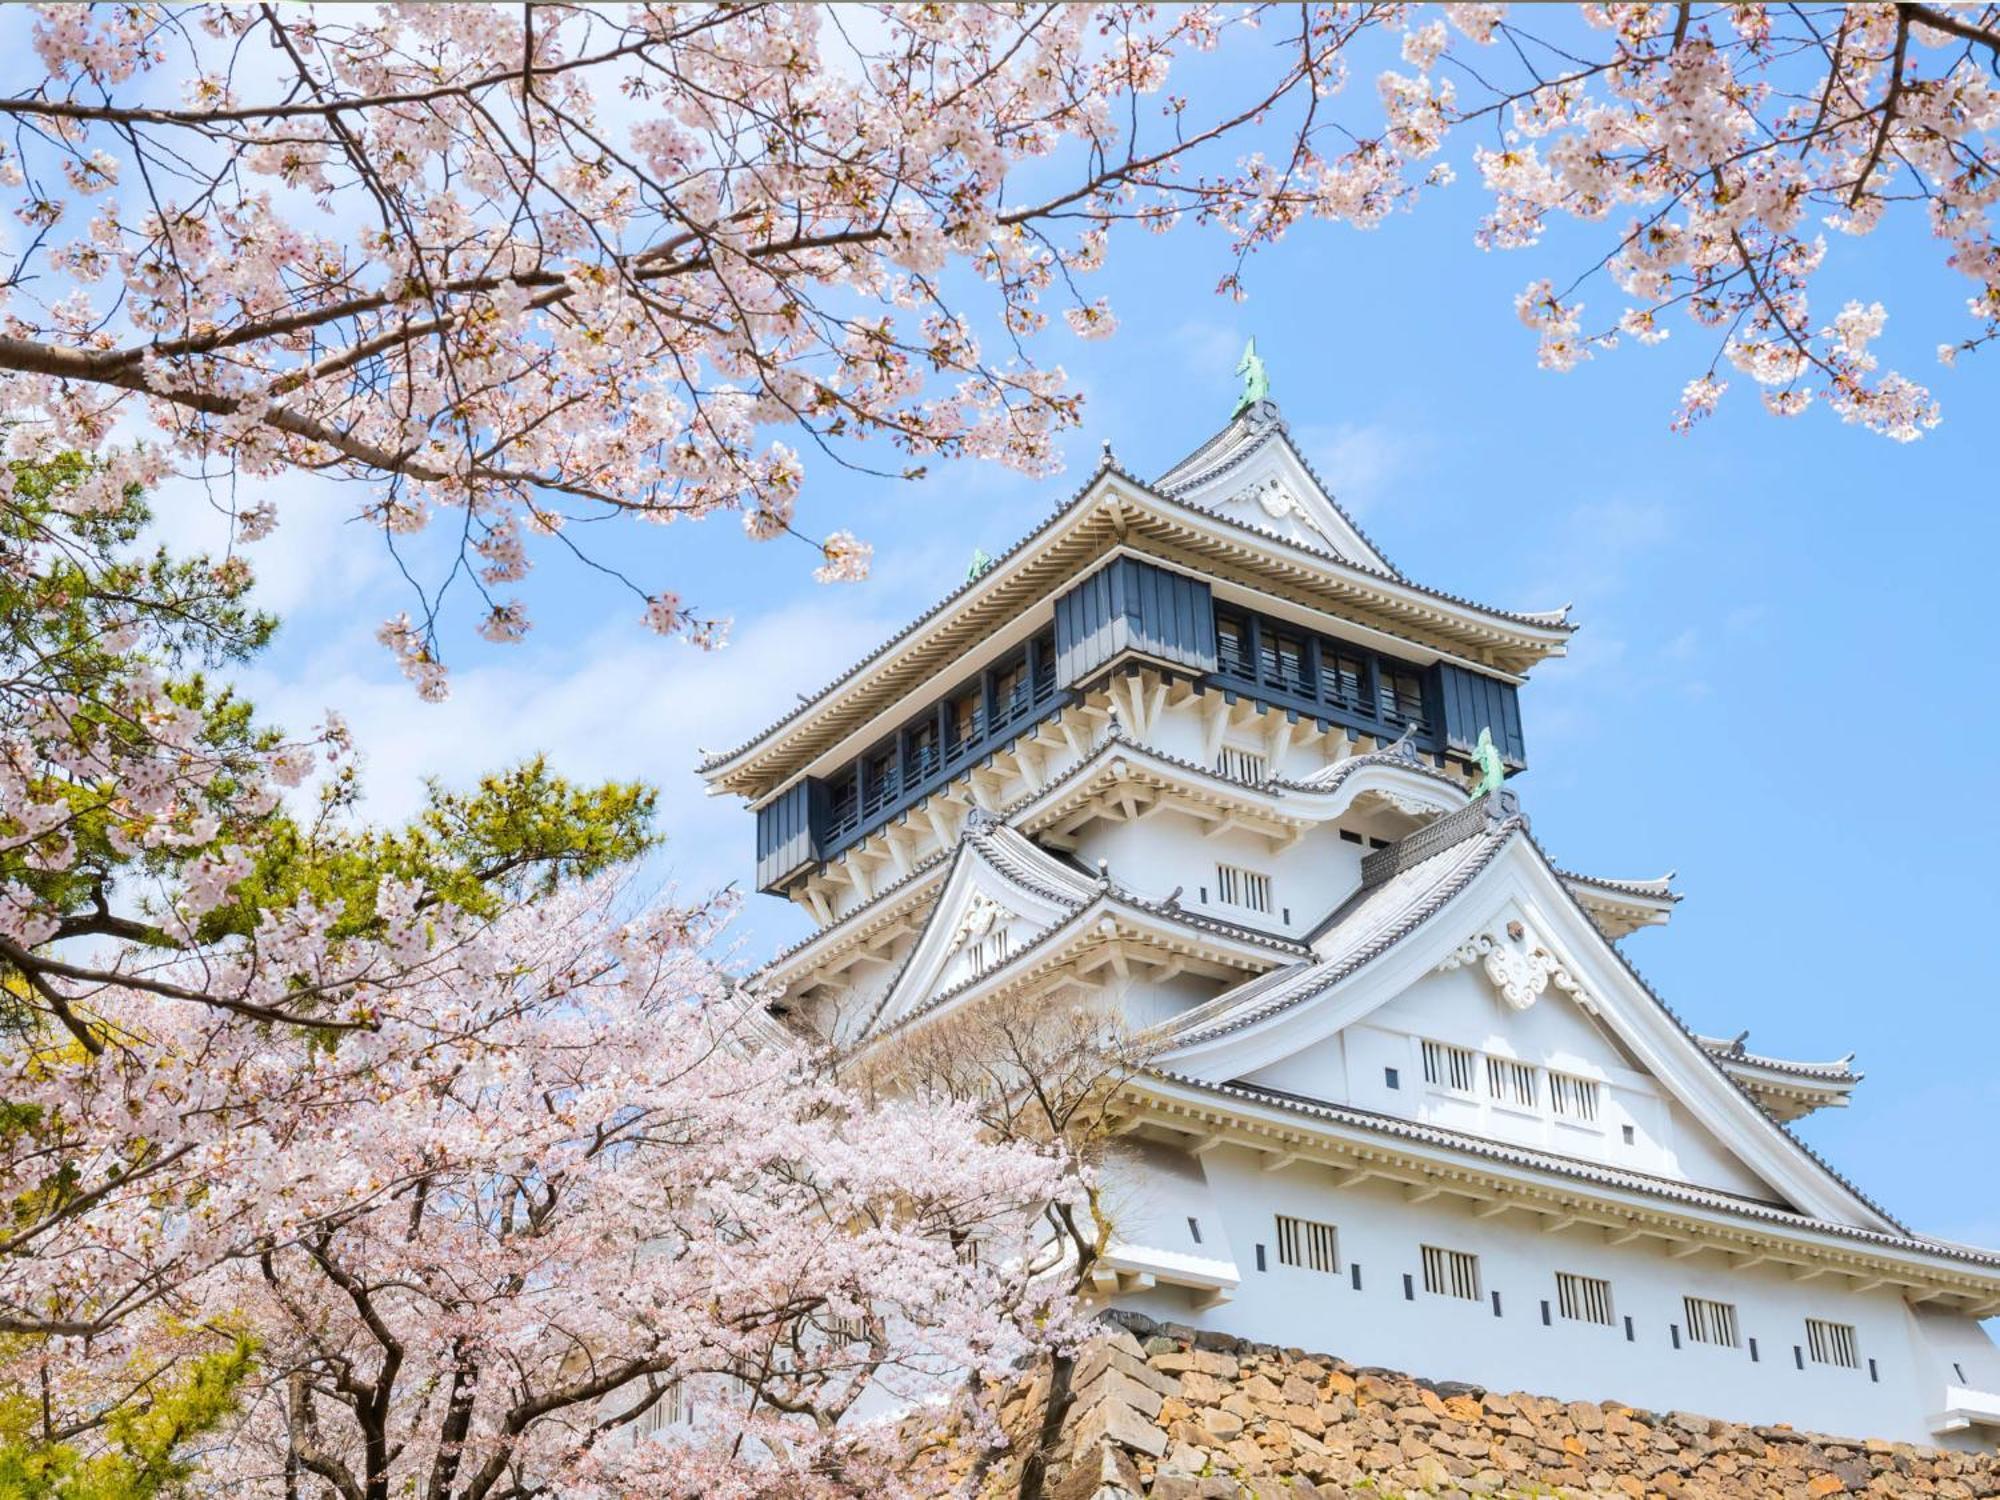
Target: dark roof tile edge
x=1244 y=454
x=711 y=762
x=1575 y=1167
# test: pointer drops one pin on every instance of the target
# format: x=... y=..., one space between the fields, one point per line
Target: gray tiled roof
x=1582 y=1170
x=1840 y=1070
x=1658 y=889
x=1540 y=621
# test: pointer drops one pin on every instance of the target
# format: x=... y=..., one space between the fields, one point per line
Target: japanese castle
x=1196 y=756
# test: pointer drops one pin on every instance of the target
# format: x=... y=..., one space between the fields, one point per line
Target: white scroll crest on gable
x=1519 y=968
x=981 y=913
x=1274 y=495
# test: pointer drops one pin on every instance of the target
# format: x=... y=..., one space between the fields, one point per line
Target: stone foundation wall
x=1168 y=1413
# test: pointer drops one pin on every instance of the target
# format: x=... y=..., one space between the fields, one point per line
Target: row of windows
x=1319 y=670
x=1510 y=1082
x=1313 y=1245
x=945 y=736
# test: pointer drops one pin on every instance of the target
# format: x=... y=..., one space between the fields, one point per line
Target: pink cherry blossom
x=507 y=269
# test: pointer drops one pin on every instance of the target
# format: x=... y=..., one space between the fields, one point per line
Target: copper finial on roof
x=1256 y=380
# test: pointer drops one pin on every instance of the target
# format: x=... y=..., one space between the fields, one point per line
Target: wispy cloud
x=1362 y=463
x=620 y=706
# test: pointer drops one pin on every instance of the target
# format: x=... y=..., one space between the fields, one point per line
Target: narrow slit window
x=1308 y=1244
x=1711 y=1322
x=983 y=953
x=1573 y=1098
x=1584 y=1299
x=1511 y=1082
x=1241 y=765
x=1832 y=1344
x=1448 y=1067
x=1236 y=886
x=1451 y=1273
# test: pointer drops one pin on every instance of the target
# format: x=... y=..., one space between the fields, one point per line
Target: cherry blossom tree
x=555 y=1186
x=1039 y=1077
x=431 y=1152
x=513 y=268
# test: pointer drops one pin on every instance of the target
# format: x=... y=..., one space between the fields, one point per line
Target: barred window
x=1236 y=886
x=1307 y=1243
x=1448 y=1067
x=1402 y=695
x=840 y=1332
x=1232 y=644
x=1282 y=660
x=1510 y=1082
x=983 y=953
x=1573 y=1098
x=1710 y=1322
x=1583 y=1299
x=1241 y=765
x=1832 y=1343
x=1451 y=1273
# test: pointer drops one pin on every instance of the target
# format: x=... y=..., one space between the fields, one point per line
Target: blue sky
x=1783 y=687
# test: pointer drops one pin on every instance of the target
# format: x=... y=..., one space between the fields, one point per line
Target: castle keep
x=1196 y=756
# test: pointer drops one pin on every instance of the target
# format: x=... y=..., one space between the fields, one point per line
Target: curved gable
x=1513 y=922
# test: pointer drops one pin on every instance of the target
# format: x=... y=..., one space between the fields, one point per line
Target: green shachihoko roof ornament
x=1256 y=383
x=980 y=563
x=1487 y=758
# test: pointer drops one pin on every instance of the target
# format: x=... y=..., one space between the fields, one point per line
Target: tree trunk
x=1035 y=1472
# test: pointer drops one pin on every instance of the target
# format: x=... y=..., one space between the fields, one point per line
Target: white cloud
x=1208 y=346
x=320 y=559
x=621 y=705
x=1358 y=462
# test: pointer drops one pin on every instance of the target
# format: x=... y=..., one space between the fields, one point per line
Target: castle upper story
x=1229 y=614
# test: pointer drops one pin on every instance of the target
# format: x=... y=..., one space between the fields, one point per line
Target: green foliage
x=140 y=1452
x=86 y=584
x=518 y=833
x=61 y=622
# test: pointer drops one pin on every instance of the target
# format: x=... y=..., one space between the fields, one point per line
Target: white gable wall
x=1274 y=491
x=1518 y=897
x=1444 y=1338
x=1171 y=848
x=1458 y=1007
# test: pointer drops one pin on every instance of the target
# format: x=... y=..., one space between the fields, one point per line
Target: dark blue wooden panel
x=1129 y=605
x=1472 y=702
x=785 y=841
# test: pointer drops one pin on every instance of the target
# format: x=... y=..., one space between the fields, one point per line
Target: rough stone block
x=1105 y=1354
x=1115 y=1385
x=1101 y=1472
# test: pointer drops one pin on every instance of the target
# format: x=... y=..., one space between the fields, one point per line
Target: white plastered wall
x=1446 y=1338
